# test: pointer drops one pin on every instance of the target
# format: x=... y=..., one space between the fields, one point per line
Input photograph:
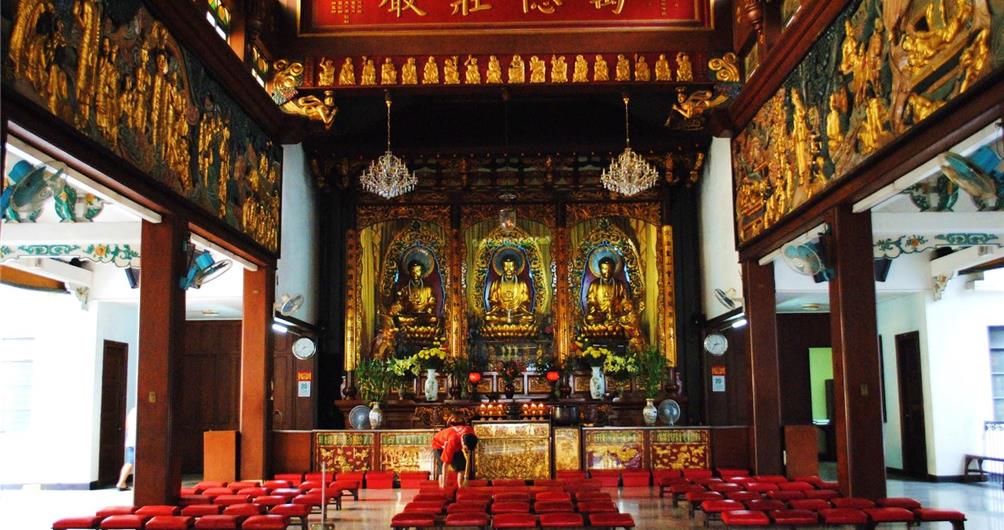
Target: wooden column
x=161 y=324
x=854 y=335
x=256 y=363
x=765 y=395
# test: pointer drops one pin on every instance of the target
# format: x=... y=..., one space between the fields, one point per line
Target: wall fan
x=202 y=268
x=808 y=259
x=30 y=188
x=288 y=304
x=728 y=298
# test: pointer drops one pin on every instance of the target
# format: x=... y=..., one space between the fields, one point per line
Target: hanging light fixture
x=388 y=176
x=629 y=173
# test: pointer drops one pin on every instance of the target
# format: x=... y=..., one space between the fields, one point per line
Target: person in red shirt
x=438 y=442
x=458 y=441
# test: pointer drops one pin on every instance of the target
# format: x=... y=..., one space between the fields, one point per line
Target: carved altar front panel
x=406 y=451
x=345 y=451
x=513 y=450
x=614 y=448
x=567 y=449
x=680 y=448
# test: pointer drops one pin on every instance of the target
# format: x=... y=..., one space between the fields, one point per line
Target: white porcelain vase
x=597 y=384
x=431 y=385
x=649 y=413
x=376 y=416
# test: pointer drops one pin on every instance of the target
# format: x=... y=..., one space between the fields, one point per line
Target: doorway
x=114 y=373
x=911 y=405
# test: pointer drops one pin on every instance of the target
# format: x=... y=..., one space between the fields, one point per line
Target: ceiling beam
x=925 y=223
x=16 y=234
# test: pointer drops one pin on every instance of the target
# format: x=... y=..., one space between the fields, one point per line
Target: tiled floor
x=36 y=510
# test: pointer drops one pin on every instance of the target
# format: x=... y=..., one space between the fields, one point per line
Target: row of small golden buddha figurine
x=517 y=71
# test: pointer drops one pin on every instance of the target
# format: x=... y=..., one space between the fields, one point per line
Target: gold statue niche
x=509 y=288
x=416 y=298
x=607 y=287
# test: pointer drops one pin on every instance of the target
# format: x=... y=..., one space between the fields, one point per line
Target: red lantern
x=474 y=377
x=553 y=376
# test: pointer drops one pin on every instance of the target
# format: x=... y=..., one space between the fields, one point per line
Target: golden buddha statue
x=494 y=71
x=509 y=311
x=609 y=310
x=581 y=72
x=601 y=71
x=662 y=70
x=517 y=73
x=537 y=70
x=409 y=72
x=413 y=309
x=430 y=72
x=622 y=70
x=642 y=72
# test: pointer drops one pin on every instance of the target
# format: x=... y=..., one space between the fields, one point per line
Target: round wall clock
x=304 y=348
x=716 y=344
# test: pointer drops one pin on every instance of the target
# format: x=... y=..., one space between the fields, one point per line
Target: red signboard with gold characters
x=394 y=15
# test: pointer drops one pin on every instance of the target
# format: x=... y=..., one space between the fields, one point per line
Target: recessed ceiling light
x=811 y=307
x=210 y=312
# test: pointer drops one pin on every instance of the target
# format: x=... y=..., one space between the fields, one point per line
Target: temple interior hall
x=501 y=264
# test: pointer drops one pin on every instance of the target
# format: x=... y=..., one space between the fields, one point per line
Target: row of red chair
x=514 y=520
x=244 y=516
x=868 y=515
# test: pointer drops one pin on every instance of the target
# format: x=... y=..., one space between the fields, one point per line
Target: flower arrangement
x=404 y=369
x=621 y=367
x=544 y=363
x=431 y=358
x=595 y=356
x=509 y=371
x=373 y=379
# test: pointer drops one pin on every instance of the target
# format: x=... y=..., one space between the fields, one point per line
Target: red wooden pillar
x=161 y=324
x=765 y=393
x=854 y=335
x=256 y=364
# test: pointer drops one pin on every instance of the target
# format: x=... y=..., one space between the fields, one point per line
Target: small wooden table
x=982 y=476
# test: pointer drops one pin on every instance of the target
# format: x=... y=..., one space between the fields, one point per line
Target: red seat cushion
x=198 y=510
x=227 y=500
x=273 y=484
x=66 y=523
x=561 y=520
x=729 y=472
x=425 y=509
x=810 y=504
x=786 y=495
x=635 y=478
x=270 y=500
x=932 y=514
x=761 y=487
x=842 y=516
x=254 y=492
x=765 y=505
x=822 y=494
x=511 y=507
x=291 y=510
x=241 y=484
x=852 y=502
x=508 y=482
x=725 y=487
x=745 y=518
x=811 y=479
x=553 y=506
x=694 y=473
x=295 y=478
x=612 y=520
x=309 y=500
x=191 y=500
x=265 y=522
x=467 y=507
x=467 y=519
x=702 y=496
x=899 y=502
x=216 y=522
x=514 y=520
x=742 y=496
x=777 y=479
x=216 y=492
x=188 y=491
x=115 y=510
x=512 y=496
x=408 y=520
x=889 y=515
x=206 y=484
x=597 y=507
x=720 y=506
x=157 y=509
x=123 y=521
x=553 y=496
x=169 y=522
x=794 y=517
x=795 y=486
x=242 y=510
x=592 y=496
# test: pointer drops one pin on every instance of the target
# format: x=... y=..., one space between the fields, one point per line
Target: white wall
x=719 y=257
x=300 y=260
x=117 y=322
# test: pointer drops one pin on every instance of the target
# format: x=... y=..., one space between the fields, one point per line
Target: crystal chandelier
x=629 y=173
x=388 y=176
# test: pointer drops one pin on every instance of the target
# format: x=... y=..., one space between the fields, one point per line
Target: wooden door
x=114 y=371
x=911 y=405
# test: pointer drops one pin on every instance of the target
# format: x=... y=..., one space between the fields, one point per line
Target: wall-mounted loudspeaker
x=132 y=276
x=882 y=266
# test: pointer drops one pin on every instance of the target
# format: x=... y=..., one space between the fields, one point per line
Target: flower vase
x=597 y=385
x=649 y=413
x=376 y=416
x=510 y=390
x=431 y=385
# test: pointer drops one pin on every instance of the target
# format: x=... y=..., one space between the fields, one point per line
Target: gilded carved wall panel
x=567 y=447
x=116 y=74
x=513 y=450
x=614 y=449
x=883 y=67
x=680 y=448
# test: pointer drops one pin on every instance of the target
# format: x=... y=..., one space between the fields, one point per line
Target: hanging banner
x=342 y=15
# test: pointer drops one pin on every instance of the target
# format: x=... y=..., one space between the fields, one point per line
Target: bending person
x=457 y=451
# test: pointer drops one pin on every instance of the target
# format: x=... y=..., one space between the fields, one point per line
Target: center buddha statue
x=509 y=313
x=609 y=311
x=413 y=310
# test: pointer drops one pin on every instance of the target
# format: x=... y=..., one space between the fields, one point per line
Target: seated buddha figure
x=609 y=310
x=413 y=309
x=509 y=311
